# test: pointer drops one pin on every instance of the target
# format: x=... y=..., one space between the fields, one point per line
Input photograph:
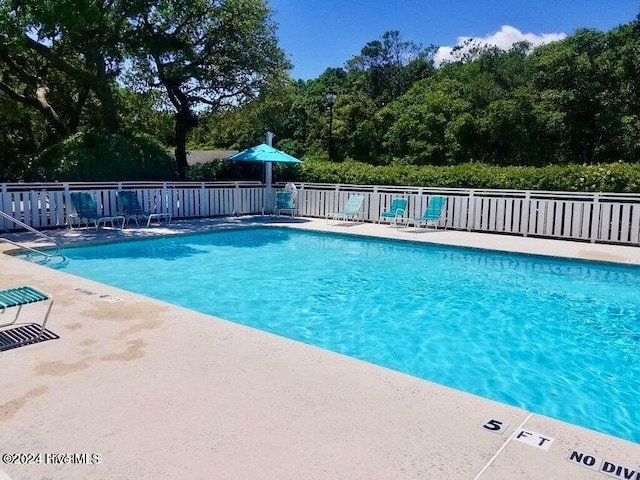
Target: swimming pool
x=555 y=337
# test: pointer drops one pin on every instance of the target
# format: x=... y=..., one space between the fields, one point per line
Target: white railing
x=596 y=217
x=40 y=236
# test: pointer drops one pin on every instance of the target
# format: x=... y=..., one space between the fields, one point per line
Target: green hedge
x=616 y=177
x=223 y=170
x=97 y=157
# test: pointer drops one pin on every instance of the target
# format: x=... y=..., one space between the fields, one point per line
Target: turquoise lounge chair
x=397 y=210
x=18 y=297
x=351 y=210
x=434 y=213
x=285 y=203
x=131 y=208
x=84 y=208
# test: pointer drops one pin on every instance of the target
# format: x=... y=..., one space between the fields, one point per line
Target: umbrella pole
x=269 y=185
x=267 y=173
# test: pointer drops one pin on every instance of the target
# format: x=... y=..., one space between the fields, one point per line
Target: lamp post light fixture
x=331 y=97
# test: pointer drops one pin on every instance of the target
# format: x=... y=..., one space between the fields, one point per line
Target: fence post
x=204 y=209
x=595 y=217
x=374 y=210
x=302 y=210
x=65 y=203
x=471 y=210
x=526 y=210
x=236 y=200
x=3 y=193
x=164 y=201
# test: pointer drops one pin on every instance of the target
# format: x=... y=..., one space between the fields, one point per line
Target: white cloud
x=503 y=38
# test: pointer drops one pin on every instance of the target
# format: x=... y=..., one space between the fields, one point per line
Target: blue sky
x=317 y=34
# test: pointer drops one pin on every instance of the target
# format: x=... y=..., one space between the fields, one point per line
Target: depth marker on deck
x=110 y=298
x=504 y=445
x=106 y=298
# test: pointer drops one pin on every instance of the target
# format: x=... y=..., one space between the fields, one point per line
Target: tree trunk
x=93 y=76
x=39 y=103
x=109 y=111
x=74 y=117
x=102 y=89
x=181 y=148
x=184 y=123
x=48 y=111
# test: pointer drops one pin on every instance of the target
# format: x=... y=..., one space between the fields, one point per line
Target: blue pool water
x=556 y=337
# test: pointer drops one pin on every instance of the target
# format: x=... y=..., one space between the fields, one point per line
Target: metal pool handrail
x=47 y=255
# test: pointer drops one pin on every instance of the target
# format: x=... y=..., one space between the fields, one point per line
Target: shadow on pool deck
x=23 y=335
x=67 y=236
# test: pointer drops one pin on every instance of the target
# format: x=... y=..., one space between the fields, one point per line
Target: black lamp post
x=331 y=96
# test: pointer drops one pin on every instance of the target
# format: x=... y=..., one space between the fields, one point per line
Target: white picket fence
x=47 y=205
x=596 y=217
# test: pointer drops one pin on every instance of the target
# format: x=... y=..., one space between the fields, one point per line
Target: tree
x=21 y=131
x=145 y=113
x=419 y=124
x=212 y=54
x=49 y=46
x=573 y=73
x=624 y=56
x=389 y=66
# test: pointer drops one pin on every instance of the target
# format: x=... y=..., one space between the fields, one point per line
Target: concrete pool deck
x=159 y=391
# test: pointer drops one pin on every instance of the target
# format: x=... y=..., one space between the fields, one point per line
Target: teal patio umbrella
x=266 y=155
x=263 y=153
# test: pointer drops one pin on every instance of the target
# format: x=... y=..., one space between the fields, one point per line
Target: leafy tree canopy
x=210 y=73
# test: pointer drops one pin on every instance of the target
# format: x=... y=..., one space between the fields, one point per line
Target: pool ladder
x=47 y=256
